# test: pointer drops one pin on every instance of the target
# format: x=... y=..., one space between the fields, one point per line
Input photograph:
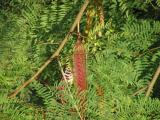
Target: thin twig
x=153 y=5
x=68 y=89
x=149 y=50
x=43 y=114
x=153 y=81
x=48 y=43
x=78 y=27
x=75 y=33
x=36 y=115
x=139 y=91
x=55 y=54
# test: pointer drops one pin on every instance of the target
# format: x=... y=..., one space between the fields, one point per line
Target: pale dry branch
x=55 y=54
x=139 y=91
x=153 y=81
x=68 y=89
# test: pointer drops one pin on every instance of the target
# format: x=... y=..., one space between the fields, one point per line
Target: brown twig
x=139 y=91
x=75 y=33
x=153 y=81
x=150 y=84
x=149 y=50
x=36 y=115
x=48 y=43
x=68 y=89
x=43 y=114
x=55 y=54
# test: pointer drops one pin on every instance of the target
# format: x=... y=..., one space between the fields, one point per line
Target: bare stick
x=150 y=50
x=55 y=54
x=139 y=91
x=155 y=77
x=68 y=89
x=78 y=27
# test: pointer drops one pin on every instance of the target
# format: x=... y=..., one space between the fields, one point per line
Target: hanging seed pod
x=79 y=70
x=79 y=65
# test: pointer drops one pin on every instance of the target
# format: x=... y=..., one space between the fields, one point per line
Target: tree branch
x=139 y=91
x=153 y=81
x=150 y=84
x=55 y=54
x=68 y=89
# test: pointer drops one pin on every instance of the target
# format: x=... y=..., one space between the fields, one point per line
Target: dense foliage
x=122 y=42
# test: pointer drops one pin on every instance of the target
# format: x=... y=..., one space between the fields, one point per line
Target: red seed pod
x=79 y=65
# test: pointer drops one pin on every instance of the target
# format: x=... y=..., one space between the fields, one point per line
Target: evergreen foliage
x=122 y=56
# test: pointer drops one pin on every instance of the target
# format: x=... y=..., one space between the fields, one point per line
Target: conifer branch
x=153 y=81
x=55 y=54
